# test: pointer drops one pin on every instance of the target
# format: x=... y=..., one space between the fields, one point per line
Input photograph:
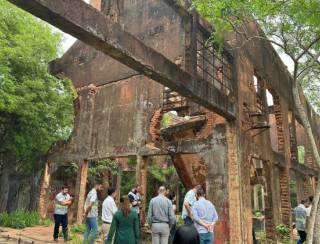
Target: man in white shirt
x=109 y=208
x=62 y=201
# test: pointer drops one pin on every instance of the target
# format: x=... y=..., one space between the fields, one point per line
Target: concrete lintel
x=95 y=29
x=187 y=146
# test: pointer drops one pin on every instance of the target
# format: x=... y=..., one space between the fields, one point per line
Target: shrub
x=283 y=231
x=19 y=219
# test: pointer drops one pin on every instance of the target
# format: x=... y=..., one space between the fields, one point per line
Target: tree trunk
x=306 y=124
x=4 y=188
x=316 y=234
x=35 y=180
x=14 y=190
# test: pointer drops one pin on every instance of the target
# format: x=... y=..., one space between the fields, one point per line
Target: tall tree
x=35 y=108
x=293 y=27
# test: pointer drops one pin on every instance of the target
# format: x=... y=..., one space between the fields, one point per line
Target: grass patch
x=19 y=219
x=46 y=222
x=77 y=229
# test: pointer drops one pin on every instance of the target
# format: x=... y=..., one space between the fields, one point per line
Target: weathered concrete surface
x=94 y=28
x=119 y=112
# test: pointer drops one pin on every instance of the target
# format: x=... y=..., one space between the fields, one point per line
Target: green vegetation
x=77 y=229
x=283 y=232
x=293 y=28
x=36 y=109
x=165 y=122
x=257 y=214
x=293 y=193
x=97 y=168
x=19 y=219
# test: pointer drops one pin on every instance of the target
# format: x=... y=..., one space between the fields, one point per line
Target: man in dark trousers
x=62 y=201
x=135 y=199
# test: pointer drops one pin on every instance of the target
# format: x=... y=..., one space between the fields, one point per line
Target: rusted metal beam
x=97 y=30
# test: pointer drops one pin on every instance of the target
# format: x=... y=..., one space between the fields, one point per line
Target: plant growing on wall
x=293 y=28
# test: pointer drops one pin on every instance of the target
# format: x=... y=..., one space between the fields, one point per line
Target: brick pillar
x=308 y=155
x=285 y=196
x=44 y=192
x=141 y=180
x=234 y=186
x=80 y=192
x=268 y=208
x=285 y=148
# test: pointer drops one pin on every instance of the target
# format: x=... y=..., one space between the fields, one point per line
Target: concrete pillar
x=255 y=198
x=267 y=197
x=80 y=192
x=263 y=204
x=118 y=187
x=44 y=191
x=234 y=186
x=141 y=180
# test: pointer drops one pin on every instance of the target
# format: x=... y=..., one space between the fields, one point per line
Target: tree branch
x=307 y=48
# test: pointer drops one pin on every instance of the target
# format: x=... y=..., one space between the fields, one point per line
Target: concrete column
x=255 y=198
x=80 y=191
x=44 y=192
x=234 y=186
x=118 y=187
x=263 y=204
x=141 y=180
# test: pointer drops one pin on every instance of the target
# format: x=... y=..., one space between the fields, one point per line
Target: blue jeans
x=188 y=221
x=91 y=230
x=303 y=236
x=206 y=238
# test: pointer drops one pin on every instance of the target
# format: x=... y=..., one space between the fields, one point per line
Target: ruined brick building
x=249 y=135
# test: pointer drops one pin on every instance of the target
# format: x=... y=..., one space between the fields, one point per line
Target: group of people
x=302 y=212
x=121 y=225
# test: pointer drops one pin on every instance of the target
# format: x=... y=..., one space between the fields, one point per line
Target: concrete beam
x=303 y=169
x=97 y=30
x=188 y=146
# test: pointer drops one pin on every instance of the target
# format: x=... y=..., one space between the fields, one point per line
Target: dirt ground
x=35 y=235
x=38 y=235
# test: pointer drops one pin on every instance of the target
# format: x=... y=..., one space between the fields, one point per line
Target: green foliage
x=97 y=168
x=165 y=122
x=283 y=231
x=261 y=236
x=46 y=222
x=19 y=219
x=36 y=108
x=128 y=181
x=293 y=27
x=293 y=193
x=77 y=229
x=257 y=214
x=301 y=154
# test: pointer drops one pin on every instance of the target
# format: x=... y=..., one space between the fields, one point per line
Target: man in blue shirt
x=205 y=216
x=188 y=202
